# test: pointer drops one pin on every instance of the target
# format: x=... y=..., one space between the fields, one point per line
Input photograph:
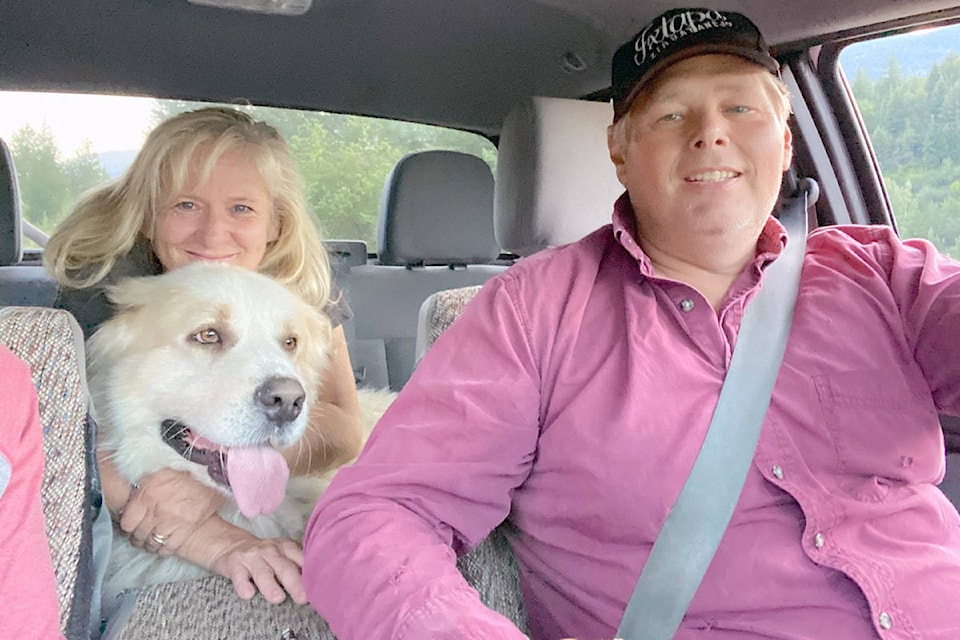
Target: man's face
x=704 y=152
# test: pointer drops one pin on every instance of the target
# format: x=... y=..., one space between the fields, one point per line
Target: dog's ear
x=132 y=292
x=118 y=334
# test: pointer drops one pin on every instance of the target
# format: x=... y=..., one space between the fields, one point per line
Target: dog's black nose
x=281 y=399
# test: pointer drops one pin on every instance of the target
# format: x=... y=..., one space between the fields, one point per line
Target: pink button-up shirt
x=573 y=395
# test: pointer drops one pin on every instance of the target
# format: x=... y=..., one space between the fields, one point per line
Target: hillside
x=916 y=52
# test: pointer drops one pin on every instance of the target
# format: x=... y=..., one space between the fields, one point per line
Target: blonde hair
x=779 y=94
x=108 y=221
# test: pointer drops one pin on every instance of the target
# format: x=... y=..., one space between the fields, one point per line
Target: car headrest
x=555 y=180
x=11 y=249
x=349 y=253
x=437 y=208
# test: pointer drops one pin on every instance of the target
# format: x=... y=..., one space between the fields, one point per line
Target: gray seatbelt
x=693 y=529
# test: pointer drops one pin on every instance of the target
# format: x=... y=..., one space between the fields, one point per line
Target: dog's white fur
x=157 y=360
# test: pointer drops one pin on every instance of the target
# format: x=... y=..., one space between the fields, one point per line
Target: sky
x=112 y=123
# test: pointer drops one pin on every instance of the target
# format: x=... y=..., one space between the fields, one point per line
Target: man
x=574 y=393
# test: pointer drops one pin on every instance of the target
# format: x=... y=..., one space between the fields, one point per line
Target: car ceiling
x=462 y=63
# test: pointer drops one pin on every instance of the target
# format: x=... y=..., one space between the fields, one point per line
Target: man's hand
x=167 y=506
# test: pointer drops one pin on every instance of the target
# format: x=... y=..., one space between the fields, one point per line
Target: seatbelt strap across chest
x=694 y=527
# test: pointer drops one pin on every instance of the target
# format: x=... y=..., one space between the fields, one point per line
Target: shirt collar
x=772 y=240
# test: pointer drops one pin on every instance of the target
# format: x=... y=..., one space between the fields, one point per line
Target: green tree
x=345 y=161
x=344 y=168
x=84 y=170
x=44 y=185
x=914 y=124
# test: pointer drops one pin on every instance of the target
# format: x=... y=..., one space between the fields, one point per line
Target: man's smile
x=717 y=175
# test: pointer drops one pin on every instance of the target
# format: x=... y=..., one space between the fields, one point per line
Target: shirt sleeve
x=926 y=285
x=434 y=479
x=28 y=590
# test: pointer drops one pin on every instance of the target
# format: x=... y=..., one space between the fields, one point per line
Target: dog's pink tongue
x=258 y=477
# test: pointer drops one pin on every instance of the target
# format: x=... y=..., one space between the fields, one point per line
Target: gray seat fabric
x=951 y=480
x=436 y=210
x=20 y=284
x=11 y=250
x=555 y=181
x=435 y=232
x=146 y=614
x=367 y=356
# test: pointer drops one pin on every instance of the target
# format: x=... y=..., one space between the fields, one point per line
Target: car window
x=907 y=87
x=64 y=144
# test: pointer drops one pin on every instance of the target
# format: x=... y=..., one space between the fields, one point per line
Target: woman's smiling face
x=229 y=218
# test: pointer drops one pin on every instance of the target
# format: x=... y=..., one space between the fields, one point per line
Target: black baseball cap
x=679 y=34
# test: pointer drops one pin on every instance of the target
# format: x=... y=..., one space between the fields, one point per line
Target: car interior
x=532 y=76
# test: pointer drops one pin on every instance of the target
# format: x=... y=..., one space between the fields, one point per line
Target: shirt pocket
x=884 y=426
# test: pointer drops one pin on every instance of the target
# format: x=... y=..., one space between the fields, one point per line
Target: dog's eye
x=290 y=343
x=207 y=336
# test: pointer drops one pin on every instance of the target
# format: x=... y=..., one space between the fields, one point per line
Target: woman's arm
x=271 y=566
x=175 y=505
x=334 y=435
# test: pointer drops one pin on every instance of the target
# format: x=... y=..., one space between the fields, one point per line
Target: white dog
x=211 y=369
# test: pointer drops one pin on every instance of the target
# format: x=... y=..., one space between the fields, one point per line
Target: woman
x=214 y=185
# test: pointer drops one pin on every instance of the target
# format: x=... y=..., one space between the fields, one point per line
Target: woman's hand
x=166 y=508
x=271 y=566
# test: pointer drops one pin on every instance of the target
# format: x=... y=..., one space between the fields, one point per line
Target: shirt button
x=886 y=622
x=777 y=472
x=819 y=540
x=686 y=305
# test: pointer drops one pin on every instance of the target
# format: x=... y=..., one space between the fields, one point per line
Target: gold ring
x=159 y=539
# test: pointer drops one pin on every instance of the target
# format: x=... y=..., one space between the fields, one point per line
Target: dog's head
x=208 y=368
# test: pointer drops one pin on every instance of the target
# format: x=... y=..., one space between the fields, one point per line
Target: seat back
x=555 y=180
x=20 y=284
x=11 y=249
x=435 y=232
x=49 y=341
x=951 y=481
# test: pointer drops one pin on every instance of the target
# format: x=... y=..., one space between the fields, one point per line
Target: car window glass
x=907 y=87
x=64 y=144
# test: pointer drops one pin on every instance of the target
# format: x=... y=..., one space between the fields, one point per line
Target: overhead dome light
x=281 y=7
